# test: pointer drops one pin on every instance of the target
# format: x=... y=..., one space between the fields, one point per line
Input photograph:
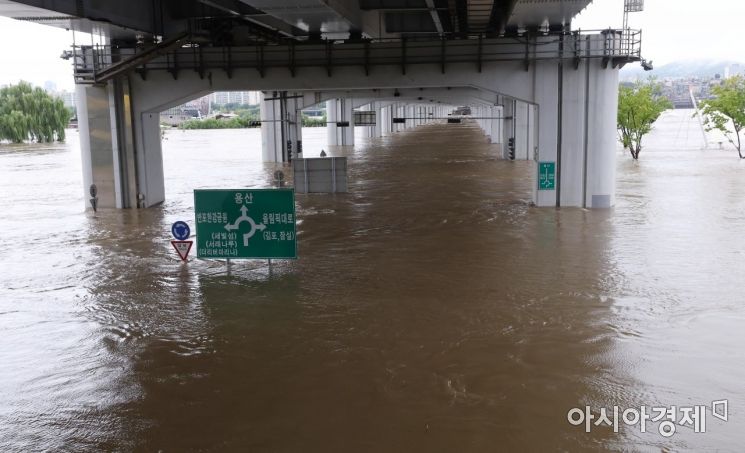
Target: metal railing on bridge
x=99 y=63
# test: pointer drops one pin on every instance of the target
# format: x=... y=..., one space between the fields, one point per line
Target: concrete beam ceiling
x=228 y=21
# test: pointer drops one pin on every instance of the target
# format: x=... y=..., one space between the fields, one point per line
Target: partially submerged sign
x=546 y=175
x=320 y=175
x=181 y=231
x=182 y=248
x=245 y=223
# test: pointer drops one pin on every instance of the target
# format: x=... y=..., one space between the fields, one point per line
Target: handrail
x=93 y=64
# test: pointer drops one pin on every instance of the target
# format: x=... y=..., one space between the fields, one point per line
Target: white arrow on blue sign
x=180 y=230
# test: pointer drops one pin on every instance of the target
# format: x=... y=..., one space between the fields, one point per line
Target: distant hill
x=679 y=69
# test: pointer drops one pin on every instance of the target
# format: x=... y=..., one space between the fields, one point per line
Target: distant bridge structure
x=544 y=91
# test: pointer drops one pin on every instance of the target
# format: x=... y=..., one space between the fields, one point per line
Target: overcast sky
x=673 y=30
x=677 y=29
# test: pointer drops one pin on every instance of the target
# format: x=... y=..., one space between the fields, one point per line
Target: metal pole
x=699 y=116
x=559 y=131
x=585 y=141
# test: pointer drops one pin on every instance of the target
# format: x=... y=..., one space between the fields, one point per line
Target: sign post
x=245 y=223
x=181 y=231
x=546 y=175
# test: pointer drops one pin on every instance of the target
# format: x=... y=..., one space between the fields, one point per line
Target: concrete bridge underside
x=546 y=93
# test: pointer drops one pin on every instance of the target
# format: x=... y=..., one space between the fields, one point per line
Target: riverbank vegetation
x=247 y=116
x=223 y=123
x=638 y=108
x=31 y=114
x=725 y=109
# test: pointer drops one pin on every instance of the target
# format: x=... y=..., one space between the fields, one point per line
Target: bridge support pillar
x=385 y=120
x=97 y=155
x=495 y=124
x=120 y=148
x=508 y=125
x=372 y=131
x=577 y=117
x=400 y=113
x=281 y=126
x=340 y=110
x=377 y=130
x=524 y=122
x=488 y=123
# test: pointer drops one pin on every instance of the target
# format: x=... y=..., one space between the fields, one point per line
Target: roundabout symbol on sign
x=245 y=218
x=180 y=230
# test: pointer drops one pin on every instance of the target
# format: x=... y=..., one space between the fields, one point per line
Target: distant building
x=221 y=98
x=315 y=112
x=68 y=98
x=195 y=109
x=733 y=70
x=203 y=107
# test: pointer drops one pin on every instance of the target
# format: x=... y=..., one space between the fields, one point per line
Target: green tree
x=314 y=121
x=639 y=107
x=727 y=107
x=28 y=113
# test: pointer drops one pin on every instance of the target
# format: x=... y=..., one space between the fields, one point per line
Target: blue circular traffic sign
x=180 y=230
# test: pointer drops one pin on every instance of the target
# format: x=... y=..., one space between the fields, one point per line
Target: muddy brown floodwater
x=432 y=309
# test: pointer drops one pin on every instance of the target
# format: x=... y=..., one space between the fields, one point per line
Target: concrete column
x=293 y=127
x=340 y=110
x=385 y=121
x=486 y=123
x=376 y=130
x=121 y=152
x=332 y=135
x=271 y=127
x=151 y=182
x=577 y=119
x=522 y=130
x=373 y=130
x=546 y=85
x=508 y=124
x=532 y=132
x=390 y=113
x=348 y=115
x=496 y=123
x=600 y=147
x=368 y=132
x=94 y=126
x=396 y=113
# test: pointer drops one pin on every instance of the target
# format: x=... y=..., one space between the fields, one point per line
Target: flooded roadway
x=431 y=308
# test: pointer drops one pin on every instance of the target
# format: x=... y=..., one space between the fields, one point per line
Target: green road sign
x=245 y=223
x=546 y=175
